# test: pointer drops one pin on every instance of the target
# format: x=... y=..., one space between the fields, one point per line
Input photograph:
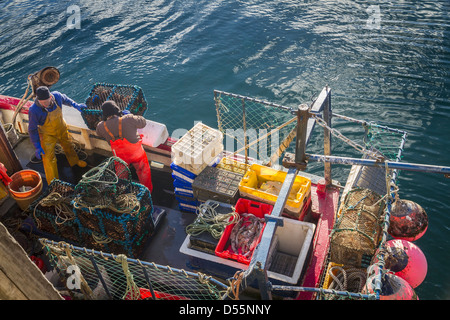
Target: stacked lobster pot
x=127 y=97
x=105 y=211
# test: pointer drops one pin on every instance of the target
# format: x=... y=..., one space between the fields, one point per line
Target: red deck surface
x=327 y=205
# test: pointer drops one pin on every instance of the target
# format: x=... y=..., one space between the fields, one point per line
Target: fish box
x=225 y=248
x=184 y=191
x=217 y=184
x=263 y=184
x=233 y=165
x=197 y=148
x=289 y=250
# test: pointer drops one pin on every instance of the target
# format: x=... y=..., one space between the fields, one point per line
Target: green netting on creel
x=104 y=211
x=357 y=231
x=127 y=97
x=384 y=140
x=89 y=274
x=99 y=187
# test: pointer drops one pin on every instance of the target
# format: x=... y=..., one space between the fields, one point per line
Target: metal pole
x=381 y=164
x=100 y=276
x=258 y=266
x=245 y=131
x=150 y=287
x=327 y=137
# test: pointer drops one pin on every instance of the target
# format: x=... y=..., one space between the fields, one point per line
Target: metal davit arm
x=258 y=265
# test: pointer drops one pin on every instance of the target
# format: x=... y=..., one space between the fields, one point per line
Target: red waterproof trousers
x=134 y=154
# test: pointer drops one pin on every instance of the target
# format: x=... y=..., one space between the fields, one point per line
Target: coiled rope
x=124 y=203
x=63 y=212
x=208 y=219
x=351 y=279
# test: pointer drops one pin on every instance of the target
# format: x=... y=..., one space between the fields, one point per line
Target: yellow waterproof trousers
x=55 y=131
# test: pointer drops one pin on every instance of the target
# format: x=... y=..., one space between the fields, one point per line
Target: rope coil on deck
x=208 y=219
x=63 y=212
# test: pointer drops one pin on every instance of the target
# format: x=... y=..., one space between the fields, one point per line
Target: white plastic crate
x=197 y=168
x=197 y=148
x=289 y=250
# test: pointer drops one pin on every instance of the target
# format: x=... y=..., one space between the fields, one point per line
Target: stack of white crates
x=199 y=147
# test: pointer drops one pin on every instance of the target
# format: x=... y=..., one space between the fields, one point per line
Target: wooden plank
x=20 y=278
x=8 y=290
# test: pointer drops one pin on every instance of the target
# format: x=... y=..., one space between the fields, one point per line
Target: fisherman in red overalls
x=120 y=129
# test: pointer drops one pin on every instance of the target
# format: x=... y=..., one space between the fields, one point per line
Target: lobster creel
x=357 y=231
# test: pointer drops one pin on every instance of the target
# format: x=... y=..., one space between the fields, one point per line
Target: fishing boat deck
x=169 y=244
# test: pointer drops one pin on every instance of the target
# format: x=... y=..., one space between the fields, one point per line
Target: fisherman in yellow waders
x=47 y=127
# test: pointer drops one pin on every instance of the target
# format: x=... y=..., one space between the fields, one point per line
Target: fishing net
x=356 y=234
x=386 y=141
x=127 y=97
x=126 y=221
x=88 y=274
x=255 y=128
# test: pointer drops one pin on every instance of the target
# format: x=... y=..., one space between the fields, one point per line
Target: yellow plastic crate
x=232 y=165
x=263 y=184
x=328 y=278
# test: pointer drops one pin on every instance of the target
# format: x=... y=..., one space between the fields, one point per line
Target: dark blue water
x=390 y=64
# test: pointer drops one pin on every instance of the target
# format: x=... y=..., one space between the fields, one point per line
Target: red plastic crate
x=258 y=209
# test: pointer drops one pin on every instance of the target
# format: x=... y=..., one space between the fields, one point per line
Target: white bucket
x=11 y=133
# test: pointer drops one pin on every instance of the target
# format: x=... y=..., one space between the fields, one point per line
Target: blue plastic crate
x=184 y=192
x=187 y=207
x=187 y=203
x=182 y=174
x=177 y=183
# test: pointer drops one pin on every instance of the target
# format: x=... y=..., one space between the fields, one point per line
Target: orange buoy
x=392 y=288
x=405 y=260
x=408 y=220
